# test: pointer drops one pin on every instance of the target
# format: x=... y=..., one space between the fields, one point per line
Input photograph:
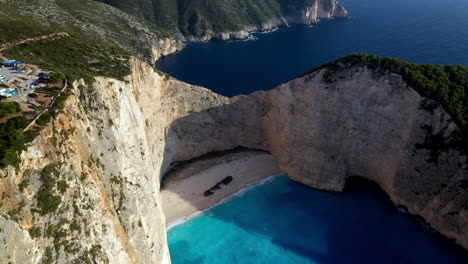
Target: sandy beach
x=183 y=195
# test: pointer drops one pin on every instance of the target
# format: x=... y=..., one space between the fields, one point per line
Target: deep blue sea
x=419 y=31
x=283 y=222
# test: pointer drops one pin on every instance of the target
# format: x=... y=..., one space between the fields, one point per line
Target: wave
x=239 y=193
x=268 y=31
x=251 y=38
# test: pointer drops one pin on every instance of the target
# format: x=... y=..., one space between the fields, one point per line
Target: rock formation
x=367 y=124
x=103 y=157
x=105 y=153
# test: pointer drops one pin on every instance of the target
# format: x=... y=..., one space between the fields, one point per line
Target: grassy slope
x=26 y=18
x=74 y=55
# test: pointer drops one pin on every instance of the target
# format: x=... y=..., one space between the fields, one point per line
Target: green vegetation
x=62 y=186
x=44 y=118
x=14 y=213
x=48 y=90
x=47 y=201
x=23 y=185
x=56 y=77
x=444 y=85
x=47 y=258
x=7 y=108
x=35 y=232
x=90 y=19
x=75 y=56
x=12 y=140
x=195 y=17
x=60 y=101
x=19 y=29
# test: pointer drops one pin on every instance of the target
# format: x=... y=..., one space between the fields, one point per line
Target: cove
x=418 y=31
x=286 y=222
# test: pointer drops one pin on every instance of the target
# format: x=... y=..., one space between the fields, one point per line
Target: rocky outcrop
x=164 y=47
x=245 y=33
x=104 y=156
x=310 y=14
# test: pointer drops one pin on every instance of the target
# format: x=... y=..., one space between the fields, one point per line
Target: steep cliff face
x=88 y=186
x=164 y=47
x=309 y=12
x=367 y=124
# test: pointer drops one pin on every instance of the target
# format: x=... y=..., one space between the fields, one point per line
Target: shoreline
x=183 y=194
x=184 y=219
x=250 y=36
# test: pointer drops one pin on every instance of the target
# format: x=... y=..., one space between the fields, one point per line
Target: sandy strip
x=182 y=198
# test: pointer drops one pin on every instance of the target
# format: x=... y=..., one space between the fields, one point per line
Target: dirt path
x=51 y=36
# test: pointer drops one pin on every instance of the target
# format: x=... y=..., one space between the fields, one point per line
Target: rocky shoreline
x=309 y=16
x=321 y=9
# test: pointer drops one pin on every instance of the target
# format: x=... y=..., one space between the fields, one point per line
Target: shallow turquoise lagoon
x=285 y=222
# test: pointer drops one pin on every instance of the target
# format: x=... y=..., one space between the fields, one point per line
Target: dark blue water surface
x=283 y=222
x=419 y=31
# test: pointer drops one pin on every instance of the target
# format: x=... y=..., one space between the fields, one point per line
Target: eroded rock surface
x=106 y=152
x=365 y=123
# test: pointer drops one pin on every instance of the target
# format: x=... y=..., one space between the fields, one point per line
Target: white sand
x=184 y=197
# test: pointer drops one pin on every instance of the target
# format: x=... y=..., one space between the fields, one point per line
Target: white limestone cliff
x=107 y=146
x=108 y=149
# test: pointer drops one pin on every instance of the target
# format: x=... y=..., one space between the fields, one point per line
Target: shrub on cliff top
x=7 y=108
x=76 y=56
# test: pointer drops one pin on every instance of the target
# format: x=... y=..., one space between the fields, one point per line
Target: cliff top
x=446 y=85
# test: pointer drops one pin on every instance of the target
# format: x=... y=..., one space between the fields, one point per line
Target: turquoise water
x=420 y=31
x=285 y=222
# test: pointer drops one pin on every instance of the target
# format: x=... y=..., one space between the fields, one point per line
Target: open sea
x=282 y=221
